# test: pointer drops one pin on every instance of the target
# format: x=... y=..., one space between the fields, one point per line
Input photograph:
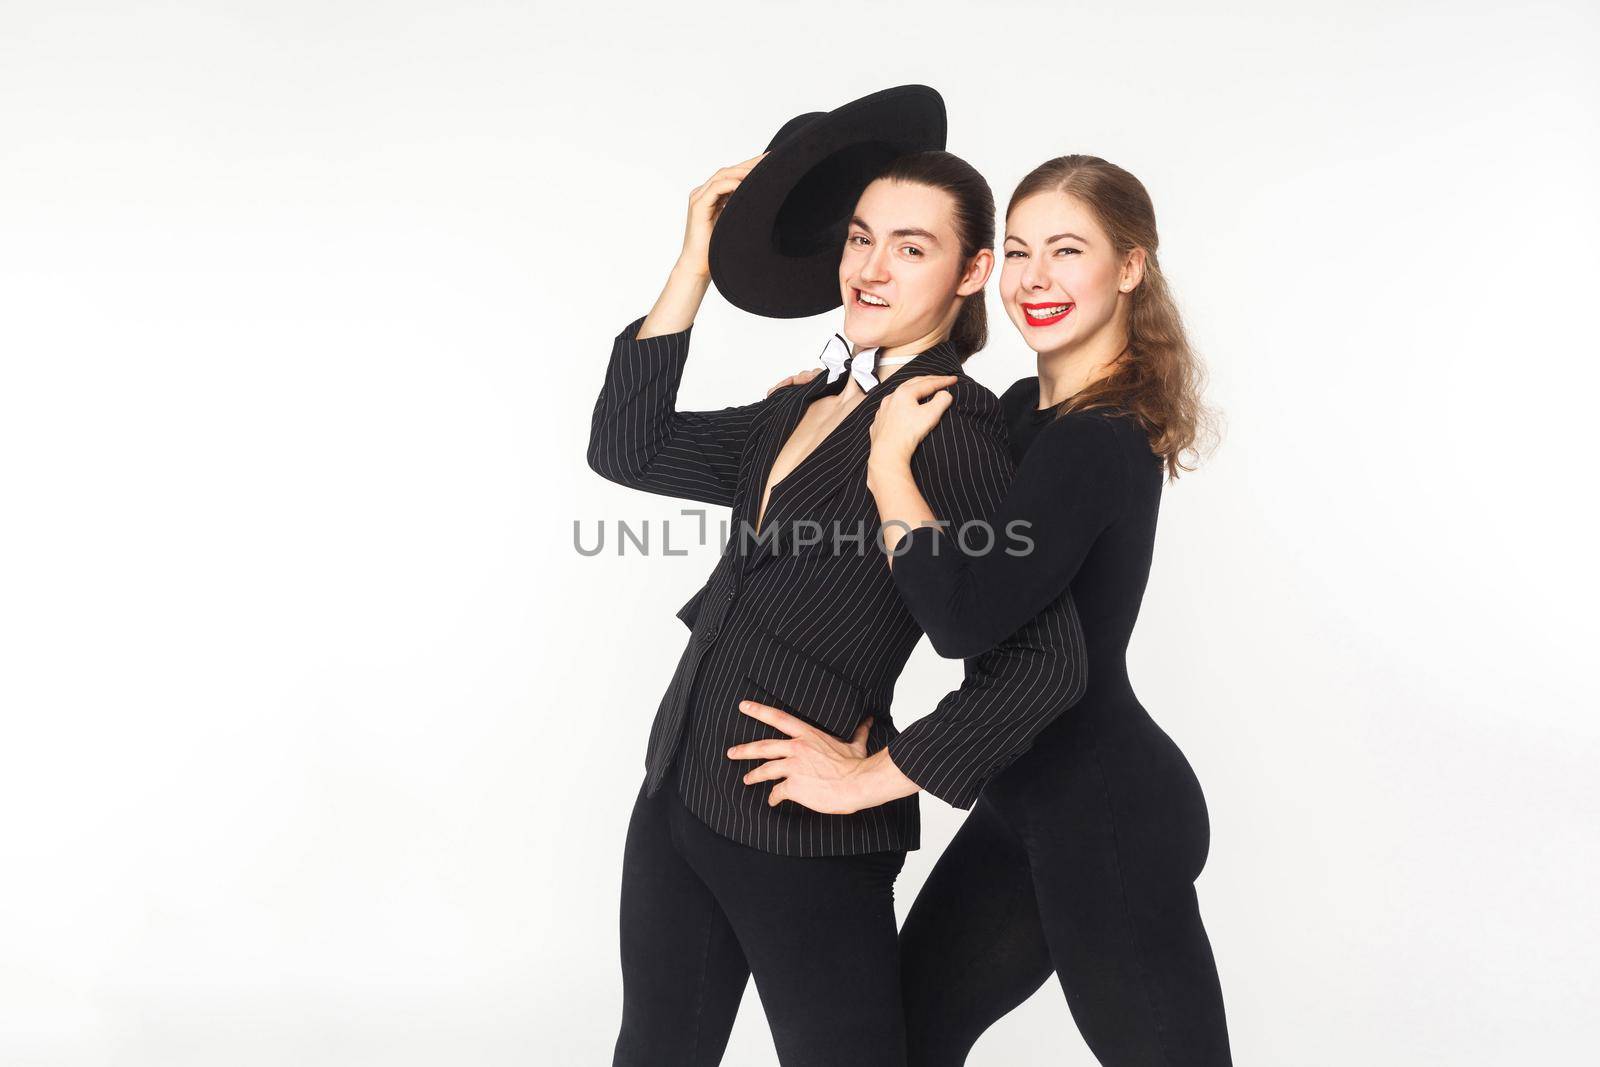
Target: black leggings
x=701 y=913
x=1078 y=859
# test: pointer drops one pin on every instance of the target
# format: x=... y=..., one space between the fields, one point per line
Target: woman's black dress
x=1080 y=857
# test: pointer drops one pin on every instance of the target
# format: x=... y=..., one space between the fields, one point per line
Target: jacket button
x=731 y=592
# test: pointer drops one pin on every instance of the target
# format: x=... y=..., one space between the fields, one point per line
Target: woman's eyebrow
x=1048 y=240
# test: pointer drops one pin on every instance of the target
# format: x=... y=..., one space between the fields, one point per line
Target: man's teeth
x=1045 y=313
x=867 y=299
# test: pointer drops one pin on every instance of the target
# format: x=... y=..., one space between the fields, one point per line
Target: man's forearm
x=678 y=304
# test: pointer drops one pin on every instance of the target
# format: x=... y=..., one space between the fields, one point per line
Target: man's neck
x=911 y=348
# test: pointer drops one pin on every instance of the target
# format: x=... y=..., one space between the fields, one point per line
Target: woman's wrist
x=887 y=468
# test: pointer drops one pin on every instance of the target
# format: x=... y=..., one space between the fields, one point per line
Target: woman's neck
x=1066 y=372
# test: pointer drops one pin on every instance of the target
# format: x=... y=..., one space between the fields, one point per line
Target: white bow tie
x=837 y=353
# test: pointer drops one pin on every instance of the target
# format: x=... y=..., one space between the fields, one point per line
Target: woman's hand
x=705 y=204
x=903 y=420
x=816 y=767
x=796 y=379
x=901 y=423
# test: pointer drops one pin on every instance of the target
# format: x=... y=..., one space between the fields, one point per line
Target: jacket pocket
x=691 y=611
x=792 y=681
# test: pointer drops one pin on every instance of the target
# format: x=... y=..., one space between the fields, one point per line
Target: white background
x=319 y=737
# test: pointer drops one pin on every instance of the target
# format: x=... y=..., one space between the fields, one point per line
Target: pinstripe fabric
x=820 y=633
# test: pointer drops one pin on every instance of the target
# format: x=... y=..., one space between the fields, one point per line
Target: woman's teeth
x=1047 y=313
x=870 y=301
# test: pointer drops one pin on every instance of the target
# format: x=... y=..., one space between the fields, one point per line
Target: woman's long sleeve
x=1014 y=688
x=969 y=594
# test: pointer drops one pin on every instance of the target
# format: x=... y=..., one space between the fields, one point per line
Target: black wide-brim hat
x=776 y=245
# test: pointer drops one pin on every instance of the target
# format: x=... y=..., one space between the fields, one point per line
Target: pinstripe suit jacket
x=810 y=624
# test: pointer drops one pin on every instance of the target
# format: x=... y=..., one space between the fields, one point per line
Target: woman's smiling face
x=901 y=265
x=1060 y=278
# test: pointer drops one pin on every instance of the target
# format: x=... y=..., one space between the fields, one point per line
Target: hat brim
x=776 y=245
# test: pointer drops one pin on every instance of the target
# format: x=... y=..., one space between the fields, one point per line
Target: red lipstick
x=1029 y=309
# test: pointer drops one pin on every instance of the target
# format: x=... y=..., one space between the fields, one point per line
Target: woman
x=721 y=881
x=1080 y=857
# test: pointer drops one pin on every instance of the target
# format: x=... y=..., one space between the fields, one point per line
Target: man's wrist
x=877 y=781
x=692 y=272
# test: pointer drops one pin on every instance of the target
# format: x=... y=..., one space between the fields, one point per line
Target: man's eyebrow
x=1048 y=240
x=857 y=220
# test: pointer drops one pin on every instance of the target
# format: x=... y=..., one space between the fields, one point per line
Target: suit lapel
x=790 y=408
x=839 y=460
